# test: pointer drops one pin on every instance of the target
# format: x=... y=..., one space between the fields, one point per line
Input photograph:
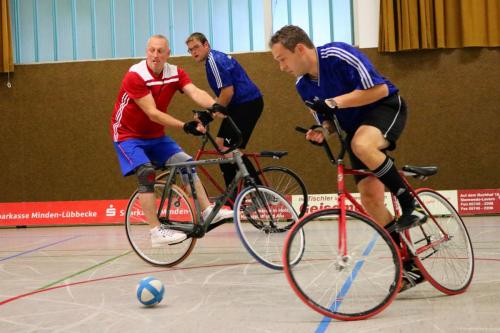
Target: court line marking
x=149 y=272
x=117 y=277
x=39 y=248
x=84 y=270
x=323 y=325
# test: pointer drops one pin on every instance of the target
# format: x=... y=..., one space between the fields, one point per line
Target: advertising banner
x=467 y=202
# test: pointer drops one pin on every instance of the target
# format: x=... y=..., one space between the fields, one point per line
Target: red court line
x=116 y=277
x=149 y=272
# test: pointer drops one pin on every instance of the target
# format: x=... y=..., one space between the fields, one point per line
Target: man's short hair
x=197 y=36
x=289 y=36
x=159 y=36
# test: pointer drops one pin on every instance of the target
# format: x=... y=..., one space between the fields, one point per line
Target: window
x=65 y=30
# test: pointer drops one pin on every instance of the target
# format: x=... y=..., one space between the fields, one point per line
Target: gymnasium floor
x=83 y=279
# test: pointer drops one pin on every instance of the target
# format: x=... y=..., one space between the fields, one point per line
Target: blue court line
x=323 y=325
x=39 y=248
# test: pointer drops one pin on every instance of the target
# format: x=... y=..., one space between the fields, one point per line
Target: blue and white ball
x=150 y=291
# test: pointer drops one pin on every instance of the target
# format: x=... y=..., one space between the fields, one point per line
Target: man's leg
x=367 y=144
x=146 y=180
x=200 y=190
x=372 y=199
x=368 y=148
x=245 y=116
x=228 y=170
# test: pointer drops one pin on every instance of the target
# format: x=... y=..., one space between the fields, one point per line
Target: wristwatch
x=331 y=103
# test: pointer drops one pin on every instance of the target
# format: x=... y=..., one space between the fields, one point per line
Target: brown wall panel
x=55 y=143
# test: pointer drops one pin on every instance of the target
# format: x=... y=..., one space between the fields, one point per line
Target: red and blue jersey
x=223 y=71
x=128 y=119
x=342 y=69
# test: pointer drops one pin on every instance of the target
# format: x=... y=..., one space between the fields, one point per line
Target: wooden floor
x=83 y=279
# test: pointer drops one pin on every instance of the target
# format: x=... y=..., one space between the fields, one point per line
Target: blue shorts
x=133 y=153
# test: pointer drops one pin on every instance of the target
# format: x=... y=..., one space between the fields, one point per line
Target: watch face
x=331 y=103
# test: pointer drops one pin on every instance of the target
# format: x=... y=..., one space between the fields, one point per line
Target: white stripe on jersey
x=366 y=79
x=215 y=71
x=119 y=114
x=159 y=83
x=141 y=68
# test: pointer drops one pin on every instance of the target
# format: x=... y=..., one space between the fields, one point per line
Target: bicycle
x=262 y=215
x=351 y=268
x=282 y=179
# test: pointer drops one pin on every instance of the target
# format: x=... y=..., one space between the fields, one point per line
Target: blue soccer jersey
x=342 y=69
x=223 y=71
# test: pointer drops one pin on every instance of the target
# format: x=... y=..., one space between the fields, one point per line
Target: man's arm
x=200 y=97
x=148 y=105
x=360 y=97
x=226 y=94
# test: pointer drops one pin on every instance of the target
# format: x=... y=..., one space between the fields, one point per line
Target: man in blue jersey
x=235 y=91
x=337 y=77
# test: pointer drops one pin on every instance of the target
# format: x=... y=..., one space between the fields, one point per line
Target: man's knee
x=361 y=147
x=146 y=178
x=182 y=157
x=367 y=140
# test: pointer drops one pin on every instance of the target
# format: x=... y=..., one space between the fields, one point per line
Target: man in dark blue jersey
x=337 y=77
x=235 y=91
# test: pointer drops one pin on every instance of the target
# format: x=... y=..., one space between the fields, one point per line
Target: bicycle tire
x=263 y=218
x=286 y=182
x=137 y=228
x=354 y=286
x=447 y=263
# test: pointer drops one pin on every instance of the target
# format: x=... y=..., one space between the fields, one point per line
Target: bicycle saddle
x=273 y=154
x=421 y=171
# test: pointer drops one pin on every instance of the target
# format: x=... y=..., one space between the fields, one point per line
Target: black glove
x=216 y=107
x=204 y=116
x=190 y=128
x=320 y=106
x=313 y=127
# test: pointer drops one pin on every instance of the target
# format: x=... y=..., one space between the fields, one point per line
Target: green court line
x=85 y=270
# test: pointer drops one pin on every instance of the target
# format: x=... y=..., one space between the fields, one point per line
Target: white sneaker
x=222 y=214
x=161 y=236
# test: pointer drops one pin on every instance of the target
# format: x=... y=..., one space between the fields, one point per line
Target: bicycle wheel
x=351 y=286
x=286 y=182
x=137 y=227
x=262 y=218
x=443 y=247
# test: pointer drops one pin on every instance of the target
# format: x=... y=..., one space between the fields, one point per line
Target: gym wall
x=56 y=143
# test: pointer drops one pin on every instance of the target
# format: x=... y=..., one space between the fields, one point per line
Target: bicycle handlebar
x=207 y=120
x=324 y=144
x=333 y=118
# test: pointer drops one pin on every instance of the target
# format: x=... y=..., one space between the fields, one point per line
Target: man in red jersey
x=138 y=123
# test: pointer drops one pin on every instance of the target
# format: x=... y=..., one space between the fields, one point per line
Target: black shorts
x=245 y=116
x=390 y=118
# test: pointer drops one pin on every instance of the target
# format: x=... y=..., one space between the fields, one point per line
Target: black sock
x=229 y=172
x=390 y=177
x=394 y=234
x=251 y=170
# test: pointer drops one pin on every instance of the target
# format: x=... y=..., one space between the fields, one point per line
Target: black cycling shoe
x=411 y=276
x=411 y=219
